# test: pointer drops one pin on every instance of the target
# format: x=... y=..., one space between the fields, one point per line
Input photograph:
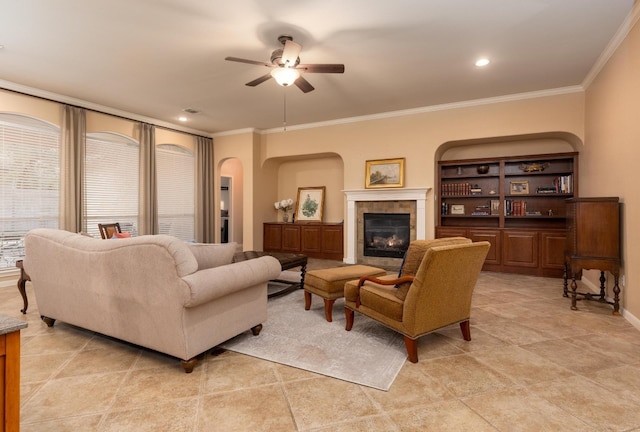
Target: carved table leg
x=303 y=271
x=616 y=296
x=574 y=287
x=22 y=287
x=565 y=276
x=602 y=281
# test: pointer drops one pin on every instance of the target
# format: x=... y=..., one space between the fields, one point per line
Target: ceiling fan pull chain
x=284 y=120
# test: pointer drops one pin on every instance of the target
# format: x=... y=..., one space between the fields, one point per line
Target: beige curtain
x=148 y=196
x=72 y=151
x=205 y=205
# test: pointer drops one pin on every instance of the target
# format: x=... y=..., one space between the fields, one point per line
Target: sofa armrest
x=209 y=284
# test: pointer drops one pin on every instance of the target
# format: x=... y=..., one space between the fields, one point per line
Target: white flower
x=285 y=205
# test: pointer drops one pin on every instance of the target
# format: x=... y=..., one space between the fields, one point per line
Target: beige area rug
x=370 y=354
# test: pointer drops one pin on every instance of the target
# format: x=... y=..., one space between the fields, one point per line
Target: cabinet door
x=272 y=237
x=442 y=232
x=552 y=245
x=493 y=237
x=311 y=239
x=332 y=242
x=291 y=238
x=520 y=248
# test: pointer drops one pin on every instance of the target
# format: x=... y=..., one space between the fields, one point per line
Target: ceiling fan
x=286 y=68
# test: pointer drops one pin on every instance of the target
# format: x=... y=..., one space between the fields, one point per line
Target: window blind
x=111 y=182
x=29 y=181
x=175 y=168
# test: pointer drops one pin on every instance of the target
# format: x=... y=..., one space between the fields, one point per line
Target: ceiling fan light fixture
x=285 y=76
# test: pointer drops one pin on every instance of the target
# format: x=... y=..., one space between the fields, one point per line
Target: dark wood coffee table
x=287 y=261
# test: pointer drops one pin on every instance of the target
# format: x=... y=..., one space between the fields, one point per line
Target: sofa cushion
x=211 y=255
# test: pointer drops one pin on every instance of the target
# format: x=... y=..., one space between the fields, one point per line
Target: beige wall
x=420 y=139
x=327 y=171
x=611 y=156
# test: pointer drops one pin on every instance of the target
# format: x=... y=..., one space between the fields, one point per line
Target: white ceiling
x=153 y=58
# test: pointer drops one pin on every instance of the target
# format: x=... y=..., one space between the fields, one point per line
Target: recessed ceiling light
x=482 y=62
x=182 y=118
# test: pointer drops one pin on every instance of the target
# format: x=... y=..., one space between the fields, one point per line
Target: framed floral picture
x=384 y=173
x=310 y=204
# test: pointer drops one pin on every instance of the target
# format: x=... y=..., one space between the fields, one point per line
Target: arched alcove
x=515 y=145
x=320 y=169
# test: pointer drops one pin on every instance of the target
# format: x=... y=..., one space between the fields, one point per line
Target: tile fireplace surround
x=415 y=197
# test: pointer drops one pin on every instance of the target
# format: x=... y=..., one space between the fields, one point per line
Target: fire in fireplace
x=386 y=234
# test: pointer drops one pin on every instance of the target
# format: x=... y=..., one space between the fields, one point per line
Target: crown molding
x=58 y=98
x=434 y=108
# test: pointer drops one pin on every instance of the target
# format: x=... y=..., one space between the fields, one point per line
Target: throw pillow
x=117 y=235
x=210 y=255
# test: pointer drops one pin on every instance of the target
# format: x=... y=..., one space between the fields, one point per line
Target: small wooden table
x=287 y=261
x=22 y=285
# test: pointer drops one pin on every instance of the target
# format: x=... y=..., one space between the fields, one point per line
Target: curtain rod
x=100 y=112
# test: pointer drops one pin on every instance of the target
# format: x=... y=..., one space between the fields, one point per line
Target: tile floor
x=533 y=365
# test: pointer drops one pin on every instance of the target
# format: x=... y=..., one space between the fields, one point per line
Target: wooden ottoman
x=329 y=283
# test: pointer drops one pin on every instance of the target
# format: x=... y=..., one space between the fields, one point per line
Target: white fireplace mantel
x=419 y=195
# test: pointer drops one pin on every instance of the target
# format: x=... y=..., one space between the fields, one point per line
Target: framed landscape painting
x=310 y=204
x=384 y=173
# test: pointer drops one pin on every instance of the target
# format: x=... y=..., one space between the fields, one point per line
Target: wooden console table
x=593 y=242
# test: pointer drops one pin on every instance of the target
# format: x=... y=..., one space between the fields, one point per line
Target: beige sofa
x=157 y=291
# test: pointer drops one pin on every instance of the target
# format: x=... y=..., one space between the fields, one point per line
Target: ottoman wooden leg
x=328 y=309
x=307 y=300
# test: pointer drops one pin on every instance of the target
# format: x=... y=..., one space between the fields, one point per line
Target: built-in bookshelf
x=516 y=203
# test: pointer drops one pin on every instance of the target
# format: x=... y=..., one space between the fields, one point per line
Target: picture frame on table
x=310 y=204
x=519 y=187
x=384 y=173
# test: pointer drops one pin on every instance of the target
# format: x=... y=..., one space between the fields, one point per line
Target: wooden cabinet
x=518 y=204
x=593 y=242
x=10 y=373
x=316 y=240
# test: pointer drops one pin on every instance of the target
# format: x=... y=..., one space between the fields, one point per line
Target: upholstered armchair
x=433 y=290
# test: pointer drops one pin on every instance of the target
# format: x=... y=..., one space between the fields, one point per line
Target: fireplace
x=388 y=201
x=386 y=235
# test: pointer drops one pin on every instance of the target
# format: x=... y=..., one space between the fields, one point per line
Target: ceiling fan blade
x=303 y=85
x=260 y=80
x=290 y=53
x=253 y=62
x=322 y=68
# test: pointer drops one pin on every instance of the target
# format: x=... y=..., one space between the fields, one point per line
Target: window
x=29 y=181
x=175 y=168
x=111 y=182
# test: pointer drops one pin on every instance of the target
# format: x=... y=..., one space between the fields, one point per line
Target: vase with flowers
x=285 y=205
